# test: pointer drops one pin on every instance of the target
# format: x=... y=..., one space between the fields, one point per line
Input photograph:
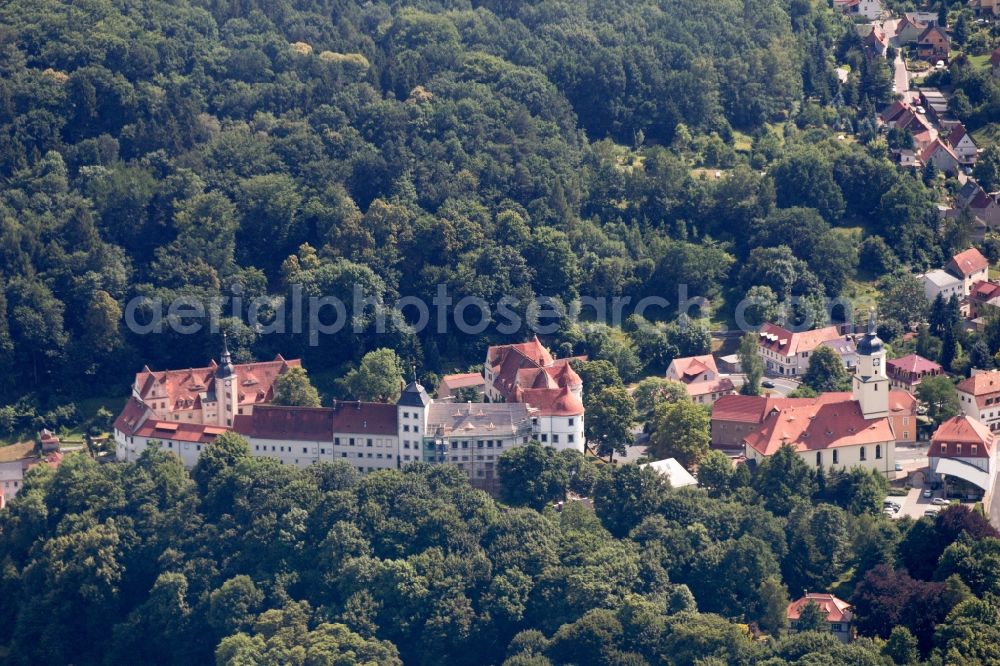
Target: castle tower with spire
x=226 y=387
x=870 y=383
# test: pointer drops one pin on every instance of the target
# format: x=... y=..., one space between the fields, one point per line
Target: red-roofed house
x=701 y=378
x=450 y=385
x=963 y=450
x=983 y=296
x=788 y=353
x=907 y=372
x=963 y=145
x=941 y=154
x=17 y=459
x=971 y=266
x=839 y=614
x=908 y=31
x=979 y=396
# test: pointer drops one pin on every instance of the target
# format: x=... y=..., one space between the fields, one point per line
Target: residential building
x=971 y=266
x=963 y=456
x=17 y=459
x=985 y=295
x=839 y=614
x=908 y=31
x=787 y=353
x=903 y=416
x=942 y=155
x=473 y=436
x=961 y=142
x=979 y=396
x=934 y=44
x=869 y=9
x=874 y=40
x=673 y=471
x=736 y=416
x=908 y=371
x=938 y=282
x=837 y=433
x=922 y=18
x=450 y=385
x=701 y=378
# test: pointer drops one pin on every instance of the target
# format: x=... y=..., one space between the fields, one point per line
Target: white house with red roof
x=870 y=9
x=839 y=614
x=984 y=295
x=963 y=448
x=942 y=155
x=970 y=266
x=979 y=396
x=961 y=142
x=700 y=376
x=17 y=459
x=836 y=431
x=786 y=352
x=450 y=385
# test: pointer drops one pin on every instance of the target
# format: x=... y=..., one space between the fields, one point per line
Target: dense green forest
x=246 y=561
x=210 y=149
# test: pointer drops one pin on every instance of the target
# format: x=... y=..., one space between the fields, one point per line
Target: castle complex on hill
x=529 y=396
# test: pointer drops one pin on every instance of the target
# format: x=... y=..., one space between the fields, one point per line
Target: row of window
x=862 y=455
x=957 y=449
x=364 y=441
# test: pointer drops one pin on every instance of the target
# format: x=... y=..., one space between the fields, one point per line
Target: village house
x=962 y=456
x=934 y=44
x=788 y=353
x=985 y=295
x=908 y=31
x=701 y=378
x=979 y=397
x=451 y=385
x=908 y=371
x=370 y=436
x=17 y=459
x=839 y=614
x=983 y=208
x=869 y=9
x=971 y=266
x=837 y=434
x=941 y=155
x=874 y=40
x=962 y=144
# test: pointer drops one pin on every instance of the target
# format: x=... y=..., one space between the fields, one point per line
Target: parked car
x=899 y=467
x=932 y=512
x=940 y=501
x=928 y=493
x=767 y=383
x=889 y=511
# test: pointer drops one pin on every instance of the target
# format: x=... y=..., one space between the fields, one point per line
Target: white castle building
x=185 y=410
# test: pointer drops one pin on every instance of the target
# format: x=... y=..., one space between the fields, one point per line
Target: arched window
x=819 y=458
x=836 y=457
x=878 y=452
x=863 y=453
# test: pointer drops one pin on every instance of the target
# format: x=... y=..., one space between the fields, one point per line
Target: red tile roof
x=721 y=385
x=179 y=432
x=956 y=135
x=984 y=290
x=968 y=262
x=786 y=343
x=362 y=418
x=962 y=430
x=463 y=380
x=913 y=363
x=689 y=367
x=526 y=372
x=933 y=148
x=313 y=424
x=837 y=610
x=552 y=402
x=183 y=389
x=132 y=416
x=982 y=386
x=822 y=425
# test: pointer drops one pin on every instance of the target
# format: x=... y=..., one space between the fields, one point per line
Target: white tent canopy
x=670 y=468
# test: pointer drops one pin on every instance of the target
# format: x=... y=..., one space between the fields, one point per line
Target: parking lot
x=914 y=503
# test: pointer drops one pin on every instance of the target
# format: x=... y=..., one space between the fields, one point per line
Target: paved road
x=782 y=385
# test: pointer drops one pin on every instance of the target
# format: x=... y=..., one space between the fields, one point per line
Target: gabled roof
x=913 y=363
x=414 y=395
x=957 y=134
x=836 y=610
x=282 y=422
x=932 y=30
x=705 y=387
x=984 y=291
x=689 y=367
x=782 y=341
x=551 y=402
x=940 y=278
x=962 y=429
x=981 y=384
x=195 y=433
x=132 y=416
x=968 y=262
x=933 y=148
x=462 y=380
x=822 y=425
